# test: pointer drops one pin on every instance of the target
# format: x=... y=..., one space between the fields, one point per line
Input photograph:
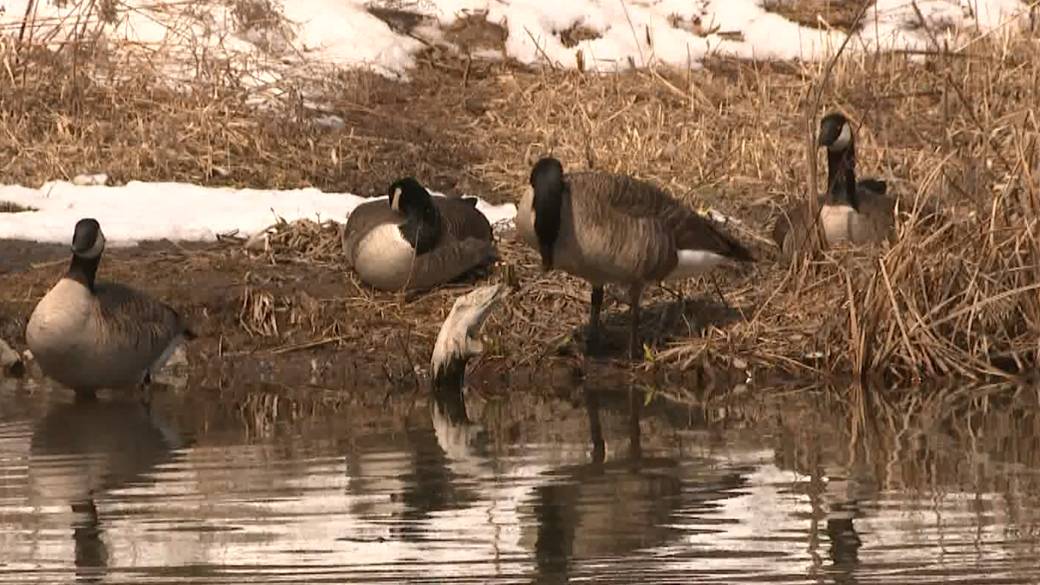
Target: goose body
x=852 y=211
x=610 y=228
x=88 y=335
x=414 y=240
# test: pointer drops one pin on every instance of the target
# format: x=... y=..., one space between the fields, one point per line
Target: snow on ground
x=176 y=211
x=269 y=39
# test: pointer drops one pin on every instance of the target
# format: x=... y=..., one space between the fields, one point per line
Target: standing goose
x=414 y=240
x=89 y=335
x=612 y=228
x=851 y=210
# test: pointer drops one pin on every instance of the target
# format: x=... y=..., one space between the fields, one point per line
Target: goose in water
x=416 y=241
x=90 y=335
x=851 y=211
x=609 y=228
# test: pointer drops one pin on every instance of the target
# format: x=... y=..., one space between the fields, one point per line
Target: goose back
x=615 y=228
x=462 y=219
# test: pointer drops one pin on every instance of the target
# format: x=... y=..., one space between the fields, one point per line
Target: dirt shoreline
x=267 y=320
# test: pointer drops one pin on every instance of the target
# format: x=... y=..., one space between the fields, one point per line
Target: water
x=278 y=485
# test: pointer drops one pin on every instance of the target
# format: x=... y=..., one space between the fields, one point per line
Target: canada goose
x=851 y=210
x=614 y=228
x=414 y=240
x=89 y=335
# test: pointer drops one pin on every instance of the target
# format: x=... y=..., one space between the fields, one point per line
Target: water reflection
x=82 y=450
x=597 y=508
x=834 y=486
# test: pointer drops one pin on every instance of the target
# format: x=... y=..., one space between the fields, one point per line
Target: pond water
x=269 y=484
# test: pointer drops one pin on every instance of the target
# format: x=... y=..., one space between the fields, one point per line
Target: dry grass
x=838 y=14
x=9 y=207
x=956 y=297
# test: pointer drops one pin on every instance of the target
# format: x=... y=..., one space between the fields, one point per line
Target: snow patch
x=141 y=211
x=273 y=40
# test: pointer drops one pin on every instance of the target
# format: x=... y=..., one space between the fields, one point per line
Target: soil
x=265 y=319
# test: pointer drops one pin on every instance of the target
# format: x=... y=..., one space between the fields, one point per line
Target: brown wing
x=361 y=221
x=448 y=261
x=879 y=209
x=791 y=228
x=144 y=325
x=665 y=224
x=462 y=219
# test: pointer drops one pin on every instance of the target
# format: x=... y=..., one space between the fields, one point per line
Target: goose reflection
x=597 y=508
x=607 y=507
x=83 y=449
x=434 y=482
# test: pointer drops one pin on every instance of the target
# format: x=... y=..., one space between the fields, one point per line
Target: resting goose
x=413 y=240
x=89 y=335
x=608 y=228
x=851 y=211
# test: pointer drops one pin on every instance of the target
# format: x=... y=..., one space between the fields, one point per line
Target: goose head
x=409 y=197
x=88 y=241
x=547 y=171
x=422 y=221
x=835 y=132
x=547 y=182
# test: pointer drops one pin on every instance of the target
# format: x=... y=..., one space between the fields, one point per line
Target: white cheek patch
x=844 y=138
x=395 y=201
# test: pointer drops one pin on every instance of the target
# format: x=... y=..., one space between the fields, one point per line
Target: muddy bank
x=303 y=319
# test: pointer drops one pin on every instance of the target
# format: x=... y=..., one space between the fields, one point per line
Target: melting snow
x=346 y=33
x=175 y=211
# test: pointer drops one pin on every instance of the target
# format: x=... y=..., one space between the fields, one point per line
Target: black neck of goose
x=447 y=390
x=83 y=270
x=422 y=228
x=841 y=176
x=842 y=189
x=548 y=205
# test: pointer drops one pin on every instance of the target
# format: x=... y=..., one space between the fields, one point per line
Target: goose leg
x=145 y=392
x=634 y=346
x=593 y=335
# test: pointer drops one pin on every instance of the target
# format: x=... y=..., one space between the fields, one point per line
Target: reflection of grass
x=979 y=439
x=9 y=207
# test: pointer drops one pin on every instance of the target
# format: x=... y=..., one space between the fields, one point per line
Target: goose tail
x=737 y=251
